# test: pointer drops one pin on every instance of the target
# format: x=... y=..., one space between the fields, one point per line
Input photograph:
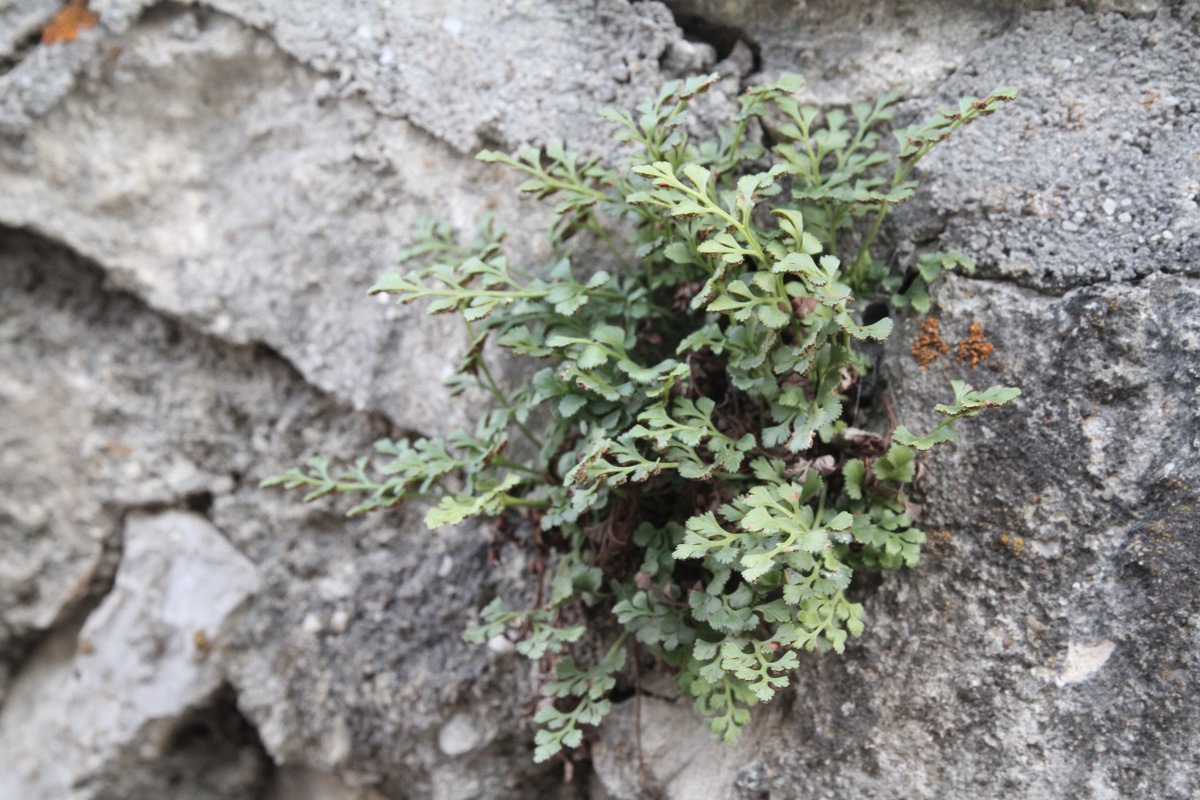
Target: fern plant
x=691 y=443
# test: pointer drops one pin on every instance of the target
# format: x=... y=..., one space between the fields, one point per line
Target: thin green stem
x=528 y=434
x=520 y=502
x=748 y=236
x=358 y=486
x=616 y=645
x=902 y=170
x=602 y=233
x=516 y=466
x=489 y=383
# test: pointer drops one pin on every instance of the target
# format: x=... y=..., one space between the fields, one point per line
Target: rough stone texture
x=1093 y=176
x=858 y=51
x=83 y=724
x=345 y=626
x=21 y=22
x=217 y=207
x=257 y=185
x=853 y=51
x=298 y=783
x=204 y=193
x=663 y=747
x=517 y=68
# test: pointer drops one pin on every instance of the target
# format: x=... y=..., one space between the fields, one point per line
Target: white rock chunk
x=676 y=747
x=460 y=735
x=1084 y=659
x=142 y=661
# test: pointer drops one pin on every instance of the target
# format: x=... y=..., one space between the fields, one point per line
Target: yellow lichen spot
x=201 y=641
x=1015 y=544
x=66 y=25
x=1159 y=533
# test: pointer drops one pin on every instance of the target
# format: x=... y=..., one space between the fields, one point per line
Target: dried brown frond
x=973 y=350
x=928 y=345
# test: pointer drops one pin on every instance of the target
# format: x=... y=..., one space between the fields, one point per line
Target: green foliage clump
x=690 y=446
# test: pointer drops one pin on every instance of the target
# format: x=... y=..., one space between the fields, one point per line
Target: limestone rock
x=663 y=746
x=186 y=421
x=90 y=711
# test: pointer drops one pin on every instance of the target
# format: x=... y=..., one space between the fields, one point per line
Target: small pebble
x=1110 y=206
x=501 y=645
x=459 y=735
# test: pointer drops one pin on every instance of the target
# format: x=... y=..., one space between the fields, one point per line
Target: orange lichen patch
x=118 y=449
x=66 y=25
x=928 y=345
x=974 y=350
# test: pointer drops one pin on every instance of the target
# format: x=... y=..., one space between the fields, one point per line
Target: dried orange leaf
x=67 y=24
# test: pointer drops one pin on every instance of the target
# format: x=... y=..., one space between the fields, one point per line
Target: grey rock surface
x=350 y=623
x=212 y=188
x=468 y=73
x=854 y=51
x=21 y=22
x=194 y=199
x=230 y=194
x=661 y=744
x=106 y=701
x=299 y=783
x=1095 y=173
